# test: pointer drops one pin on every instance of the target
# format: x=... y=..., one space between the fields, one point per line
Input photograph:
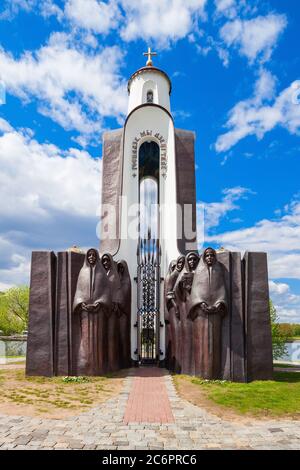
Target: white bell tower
x=141 y=165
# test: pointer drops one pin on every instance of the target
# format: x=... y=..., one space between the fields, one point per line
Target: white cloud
x=227 y=8
x=162 y=21
x=262 y=112
x=278 y=288
x=49 y=200
x=254 y=38
x=100 y=17
x=288 y=315
x=5 y=126
x=75 y=89
x=279 y=238
x=286 y=303
x=10 y=8
x=215 y=211
x=50 y=8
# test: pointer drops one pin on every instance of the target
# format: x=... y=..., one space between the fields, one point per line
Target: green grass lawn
x=286 y=366
x=279 y=397
x=13 y=357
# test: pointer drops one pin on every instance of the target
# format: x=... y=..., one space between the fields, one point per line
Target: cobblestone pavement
x=104 y=428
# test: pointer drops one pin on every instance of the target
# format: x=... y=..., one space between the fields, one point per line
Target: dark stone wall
x=62 y=317
x=224 y=258
x=112 y=171
x=40 y=357
x=238 y=373
x=186 y=184
x=259 y=360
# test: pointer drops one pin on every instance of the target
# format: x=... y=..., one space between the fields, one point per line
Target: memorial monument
x=147 y=296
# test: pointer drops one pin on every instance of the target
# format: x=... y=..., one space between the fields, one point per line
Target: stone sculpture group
x=102 y=302
x=217 y=316
x=86 y=329
x=196 y=301
x=216 y=312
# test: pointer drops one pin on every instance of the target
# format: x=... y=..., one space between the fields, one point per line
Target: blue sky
x=235 y=74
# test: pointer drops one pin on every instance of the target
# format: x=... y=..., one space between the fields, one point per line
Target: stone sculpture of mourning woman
x=207 y=304
x=185 y=329
x=92 y=301
x=172 y=316
x=124 y=313
x=113 y=327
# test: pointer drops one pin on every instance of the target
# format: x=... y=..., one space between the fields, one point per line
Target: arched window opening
x=149 y=96
x=148 y=278
x=149 y=160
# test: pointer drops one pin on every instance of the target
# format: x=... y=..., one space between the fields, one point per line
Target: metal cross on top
x=149 y=54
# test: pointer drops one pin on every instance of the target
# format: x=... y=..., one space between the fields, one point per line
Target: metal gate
x=148 y=291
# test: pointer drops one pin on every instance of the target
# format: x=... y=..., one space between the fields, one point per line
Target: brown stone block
x=259 y=359
x=39 y=359
x=224 y=258
x=186 y=185
x=111 y=189
x=62 y=317
x=237 y=320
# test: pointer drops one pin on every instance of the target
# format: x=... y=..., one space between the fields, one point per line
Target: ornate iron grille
x=148 y=288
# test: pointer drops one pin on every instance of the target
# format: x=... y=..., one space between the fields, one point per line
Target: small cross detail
x=149 y=54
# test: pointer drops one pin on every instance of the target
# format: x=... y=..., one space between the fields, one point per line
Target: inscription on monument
x=163 y=151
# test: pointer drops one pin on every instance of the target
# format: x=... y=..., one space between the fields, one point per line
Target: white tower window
x=149 y=96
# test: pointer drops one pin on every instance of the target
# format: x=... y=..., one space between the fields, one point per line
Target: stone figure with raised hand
x=92 y=301
x=172 y=315
x=113 y=333
x=124 y=313
x=185 y=331
x=206 y=305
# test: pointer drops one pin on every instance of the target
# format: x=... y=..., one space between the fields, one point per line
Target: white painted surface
x=149 y=80
x=156 y=120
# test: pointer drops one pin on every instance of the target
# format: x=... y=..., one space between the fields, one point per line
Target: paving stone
x=22 y=440
x=103 y=428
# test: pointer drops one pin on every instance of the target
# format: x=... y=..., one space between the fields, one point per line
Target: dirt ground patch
x=52 y=397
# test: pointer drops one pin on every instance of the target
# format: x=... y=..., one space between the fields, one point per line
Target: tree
x=279 y=336
x=14 y=306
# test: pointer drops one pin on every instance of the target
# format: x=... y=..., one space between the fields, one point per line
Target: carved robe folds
x=103 y=303
x=206 y=305
x=92 y=302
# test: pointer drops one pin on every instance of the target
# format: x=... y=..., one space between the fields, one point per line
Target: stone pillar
x=39 y=359
x=224 y=258
x=112 y=168
x=238 y=373
x=259 y=359
x=62 y=317
x=185 y=186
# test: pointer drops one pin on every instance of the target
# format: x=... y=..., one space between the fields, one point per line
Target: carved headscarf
x=125 y=281
x=114 y=279
x=92 y=284
x=184 y=277
x=209 y=284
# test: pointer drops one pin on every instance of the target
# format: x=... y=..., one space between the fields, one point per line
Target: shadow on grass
x=289 y=377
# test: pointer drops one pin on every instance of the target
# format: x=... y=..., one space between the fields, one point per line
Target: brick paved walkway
x=104 y=428
x=148 y=400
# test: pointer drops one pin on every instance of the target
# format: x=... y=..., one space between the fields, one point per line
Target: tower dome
x=149 y=85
